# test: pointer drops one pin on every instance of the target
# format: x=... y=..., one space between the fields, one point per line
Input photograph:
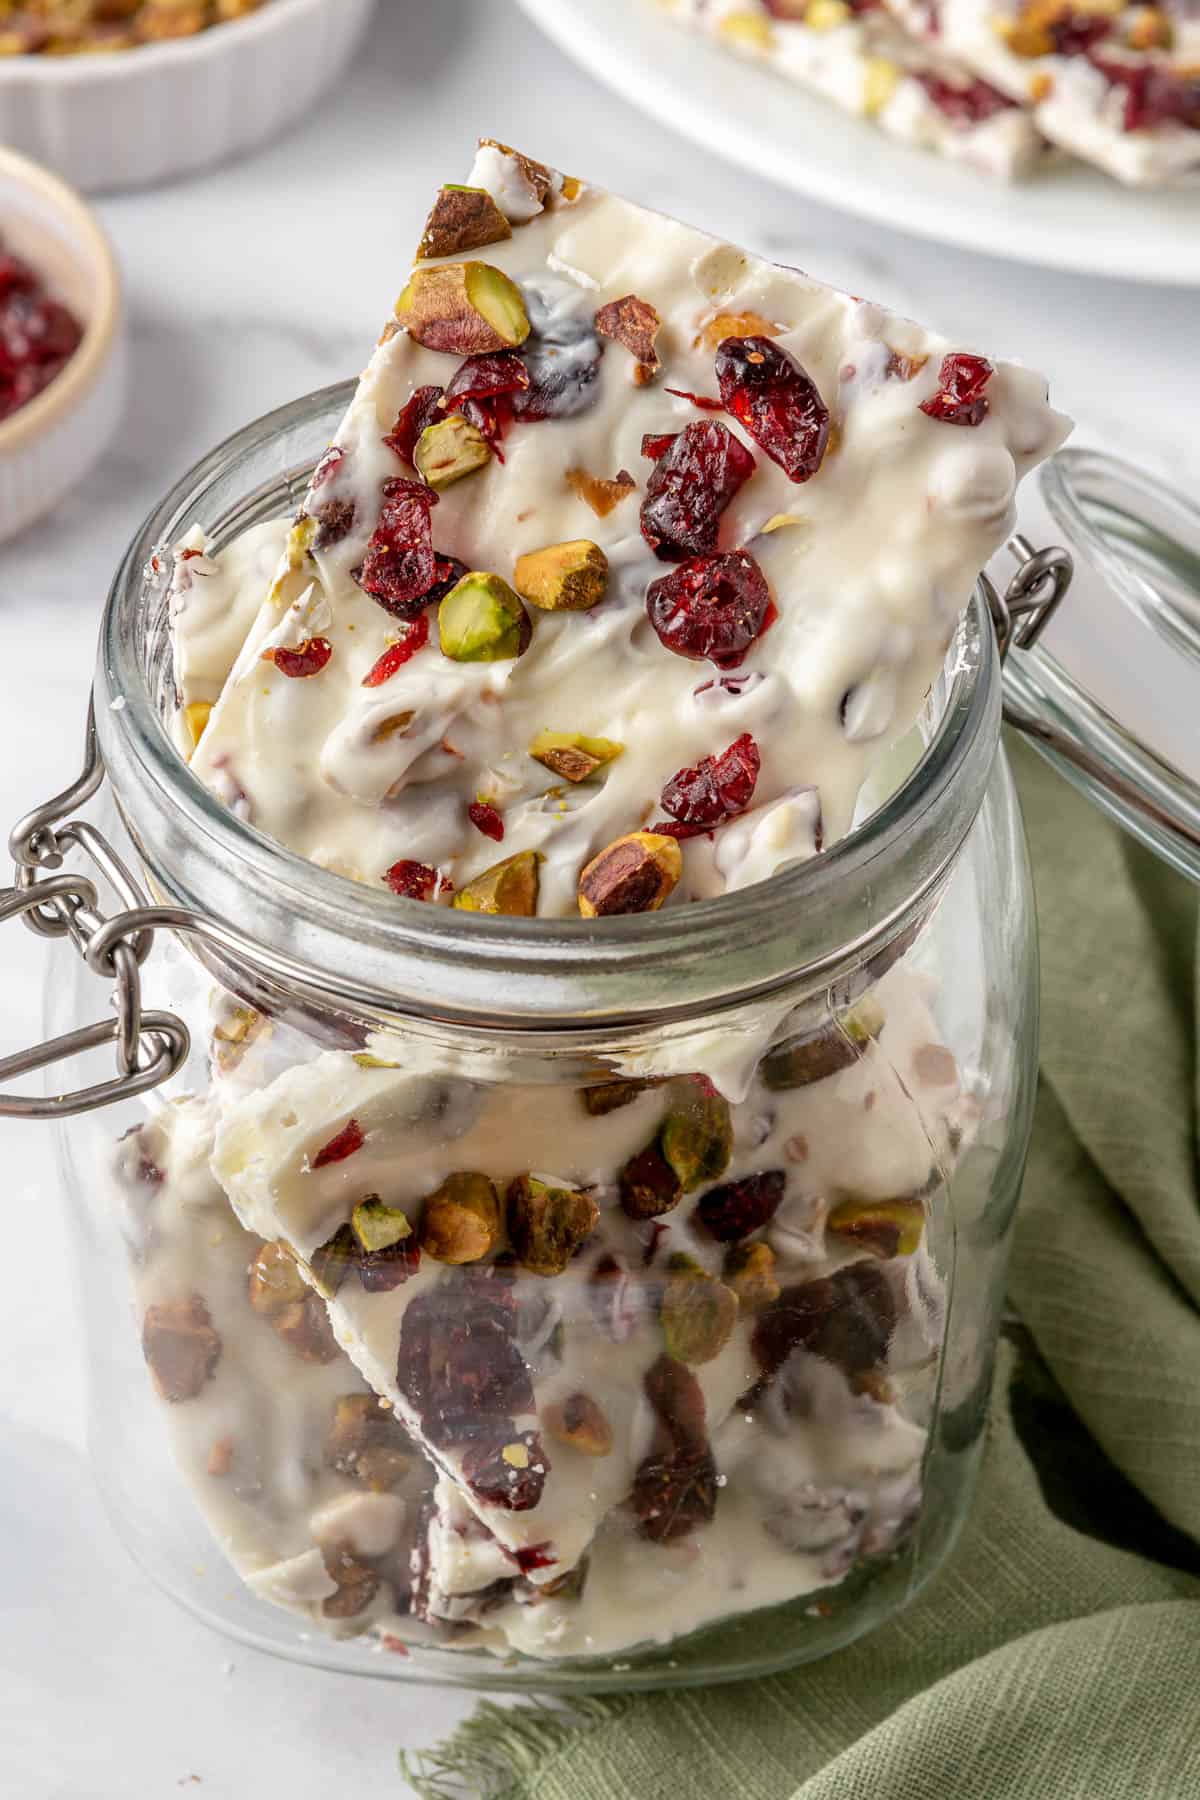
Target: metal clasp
x=150 y=1046
x=1020 y=615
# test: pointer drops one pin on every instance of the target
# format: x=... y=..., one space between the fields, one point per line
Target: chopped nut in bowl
x=582 y=1220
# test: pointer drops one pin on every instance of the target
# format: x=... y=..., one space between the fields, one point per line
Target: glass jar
x=541 y=1304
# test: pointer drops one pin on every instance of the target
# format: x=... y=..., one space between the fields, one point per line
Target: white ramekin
x=47 y=447
x=133 y=117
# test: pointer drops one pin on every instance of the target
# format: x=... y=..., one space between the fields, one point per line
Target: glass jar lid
x=1109 y=692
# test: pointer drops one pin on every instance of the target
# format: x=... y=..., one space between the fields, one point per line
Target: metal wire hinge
x=150 y=1046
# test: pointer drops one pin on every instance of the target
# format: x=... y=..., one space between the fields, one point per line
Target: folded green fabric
x=1055 y=1656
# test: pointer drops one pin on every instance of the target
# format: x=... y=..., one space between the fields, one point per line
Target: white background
x=247 y=287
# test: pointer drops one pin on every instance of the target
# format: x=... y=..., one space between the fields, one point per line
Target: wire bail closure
x=151 y=1047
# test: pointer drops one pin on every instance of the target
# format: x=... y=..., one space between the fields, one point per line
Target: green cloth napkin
x=1057 y=1655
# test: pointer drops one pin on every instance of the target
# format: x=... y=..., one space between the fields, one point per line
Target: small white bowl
x=132 y=117
x=49 y=445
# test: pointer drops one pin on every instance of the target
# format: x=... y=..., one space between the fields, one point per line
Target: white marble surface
x=247 y=287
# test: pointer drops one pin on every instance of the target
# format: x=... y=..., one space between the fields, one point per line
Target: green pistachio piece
x=697 y=1135
x=563 y=577
x=580 y=1422
x=462 y=218
x=333 y=1261
x=884 y=1227
x=378 y=1227
x=463 y=309
x=750 y=1273
x=450 y=449
x=572 y=756
x=698 y=1312
x=460 y=1222
x=824 y=1052
x=481 y=620
x=609 y=1096
x=547 y=1224
x=509 y=887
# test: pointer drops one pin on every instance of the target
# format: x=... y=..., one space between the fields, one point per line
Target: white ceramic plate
x=1070 y=218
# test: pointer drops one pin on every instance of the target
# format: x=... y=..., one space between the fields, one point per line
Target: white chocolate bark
x=1075 y=100
x=251 y=1441
x=868 y=573
x=888 y=1125
x=213 y=603
x=861 y=62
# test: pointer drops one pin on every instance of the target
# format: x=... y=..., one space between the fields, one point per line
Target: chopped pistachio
x=885 y=1227
x=462 y=218
x=698 y=1312
x=608 y=1096
x=633 y=875
x=750 y=1273
x=509 y=887
x=482 y=620
x=463 y=309
x=571 y=755
x=649 y=1185
x=697 y=1135
x=378 y=1227
x=333 y=1261
x=547 y=1224
x=460 y=1221
x=832 y=1047
x=581 y=1423
x=568 y=577
x=275 y=1280
x=450 y=449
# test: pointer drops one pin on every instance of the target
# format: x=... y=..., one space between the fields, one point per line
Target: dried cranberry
x=348 y=1140
x=396 y=655
x=507 y=1470
x=675 y=1487
x=701 y=400
x=16 y=276
x=964 y=103
x=305 y=659
x=382 y=1270
x=485 y=818
x=1153 y=95
x=777 y=401
x=673 y=1492
x=459 y=1366
x=737 y=1208
x=414 y=880
x=483 y=377
x=847 y=1318
x=1075 y=33
x=692 y=483
x=960 y=399
x=678 y=1402
x=335 y=521
x=38 y=336
x=656 y=444
x=424 y=408
x=535 y=1556
x=400 y=566
x=717 y=788
x=712 y=606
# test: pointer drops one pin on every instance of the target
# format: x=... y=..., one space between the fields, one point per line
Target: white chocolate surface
x=868 y=582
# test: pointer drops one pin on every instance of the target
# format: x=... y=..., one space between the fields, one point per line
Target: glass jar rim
x=368 y=949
